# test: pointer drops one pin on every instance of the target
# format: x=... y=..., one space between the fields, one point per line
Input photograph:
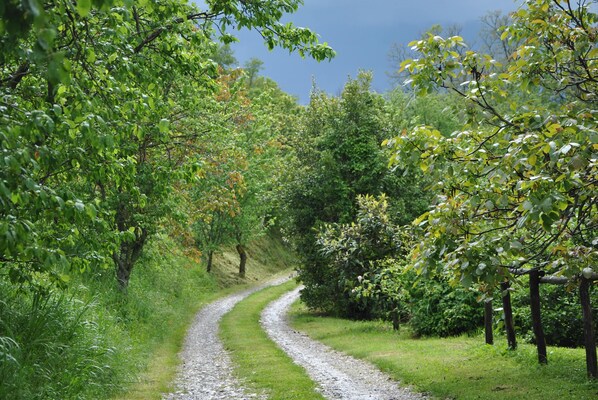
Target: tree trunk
x=508 y=311
x=395 y=319
x=125 y=258
x=243 y=259
x=588 y=328
x=488 y=322
x=210 y=256
x=534 y=293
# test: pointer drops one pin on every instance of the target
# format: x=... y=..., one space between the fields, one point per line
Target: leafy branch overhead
x=104 y=108
x=518 y=182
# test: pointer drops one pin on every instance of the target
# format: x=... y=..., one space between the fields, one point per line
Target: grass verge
x=259 y=361
x=454 y=368
x=160 y=325
x=91 y=341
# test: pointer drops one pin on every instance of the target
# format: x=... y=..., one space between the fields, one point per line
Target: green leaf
x=546 y=221
x=15 y=198
x=79 y=205
x=35 y=7
x=83 y=7
x=466 y=280
x=163 y=125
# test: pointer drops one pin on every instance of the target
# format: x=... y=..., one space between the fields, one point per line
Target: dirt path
x=206 y=372
x=338 y=375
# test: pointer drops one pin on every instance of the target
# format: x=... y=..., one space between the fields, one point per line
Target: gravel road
x=206 y=372
x=339 y=376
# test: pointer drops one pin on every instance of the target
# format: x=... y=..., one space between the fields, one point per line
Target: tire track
x=206 y=372
x=339 y=376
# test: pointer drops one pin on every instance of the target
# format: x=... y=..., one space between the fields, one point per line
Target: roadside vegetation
x=487 y=217
x=110 y=341
x=459 y=367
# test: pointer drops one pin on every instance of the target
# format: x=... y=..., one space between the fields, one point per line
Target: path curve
x=206 y=372
x=338 y=375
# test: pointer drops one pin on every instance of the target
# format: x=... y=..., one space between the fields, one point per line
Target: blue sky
x=362 y=33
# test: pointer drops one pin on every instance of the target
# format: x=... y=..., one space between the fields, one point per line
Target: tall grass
x=93 y=341
x=54 y=346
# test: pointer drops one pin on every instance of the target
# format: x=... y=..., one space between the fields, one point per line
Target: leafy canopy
x=518 y=181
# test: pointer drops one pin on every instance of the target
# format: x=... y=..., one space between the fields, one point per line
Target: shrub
x=561 y=315
x=361 y=248
x=438 y=309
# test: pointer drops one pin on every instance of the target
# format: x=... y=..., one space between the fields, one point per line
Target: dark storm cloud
x=362 y=33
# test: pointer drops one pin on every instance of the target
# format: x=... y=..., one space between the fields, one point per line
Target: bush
x=561 y=315
x=437 y=309
x=360 y=249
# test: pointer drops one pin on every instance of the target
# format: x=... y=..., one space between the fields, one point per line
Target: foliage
x=430 y=306
x=55 y=346
x=98 y=113
x=215 y=197
x=386 y=291
x=336 y=157
x=494 y=43
x=94 y=340
x=231 y=195
x=517 y=182
x=441 y=110
x=561 y=311
x=438 y=309
x=354 y=252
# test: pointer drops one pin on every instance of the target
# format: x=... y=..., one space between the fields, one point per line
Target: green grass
x=455 y=368
x=170 y=312
x=54 y=346
x=92 y=341
x=259 y=361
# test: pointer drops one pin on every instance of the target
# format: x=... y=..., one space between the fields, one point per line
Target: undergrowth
x=93 y=341
x=56 y=347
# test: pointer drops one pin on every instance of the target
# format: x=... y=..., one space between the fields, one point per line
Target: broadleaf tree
x=517 y=183
x=98 y=99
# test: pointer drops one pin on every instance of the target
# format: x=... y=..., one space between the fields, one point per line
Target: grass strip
x=259 y=361
x=165 y=296
x=456 y=368
x=159 y=376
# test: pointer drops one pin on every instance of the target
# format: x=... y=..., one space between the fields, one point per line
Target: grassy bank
x=455 y=368
x=94 y=342
x=267 y=256
x=259 y=360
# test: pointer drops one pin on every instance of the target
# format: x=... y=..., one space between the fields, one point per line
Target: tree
x=252 y=68
x=214 y=197
x=518 y=183
x=337 y=158
x=501 y=48
x=400 y=52
x=224 y=56
x=271 y=113
x=98 y=105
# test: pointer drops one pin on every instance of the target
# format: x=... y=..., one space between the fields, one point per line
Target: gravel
x=206 y=372
x=339 y=376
